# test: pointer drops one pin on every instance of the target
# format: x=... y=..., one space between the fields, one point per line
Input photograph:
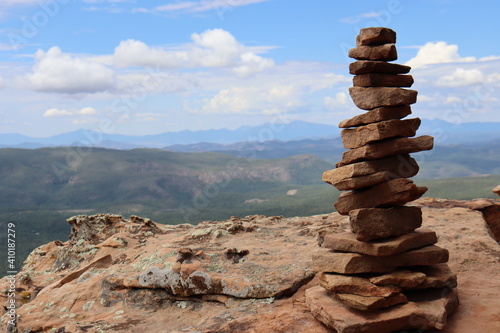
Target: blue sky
x=151 y=66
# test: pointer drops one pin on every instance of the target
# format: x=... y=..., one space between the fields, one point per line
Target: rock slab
x=387 y=148
x=370 y=303
x=376 y=115
x=375 y=223
x=385 y=52
x=369 y=173
x=362 y=135
x=396 y=192
x=337 y=283
x=368 y=66
x=373 y=97
x=347 y=242
x=382 y=80
x=325 y=260
x=435 y=276
x=403 y=165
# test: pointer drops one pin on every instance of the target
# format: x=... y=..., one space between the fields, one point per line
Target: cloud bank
x=59 y=72
x=437 y=53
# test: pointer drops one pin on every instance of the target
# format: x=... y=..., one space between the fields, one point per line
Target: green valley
x=41 y=188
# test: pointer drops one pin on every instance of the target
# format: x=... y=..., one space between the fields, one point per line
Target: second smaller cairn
x=387 y=274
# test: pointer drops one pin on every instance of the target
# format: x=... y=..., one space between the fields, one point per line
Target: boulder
x=375 y=223
x=387 y=148
x=368 y=66
x=376 y=115
x=396 y=192
x=368 y=98
x=370 y=303
x=430 y=312
x=347 y=242
x=324 y=260
x=362 y=135
x=385 y=52
x=376 y=36
x=496 y=190
x=382 y=80
x=338 y=283
x=95 y=229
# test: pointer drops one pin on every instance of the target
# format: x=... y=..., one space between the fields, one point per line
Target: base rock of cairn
x=387 y=274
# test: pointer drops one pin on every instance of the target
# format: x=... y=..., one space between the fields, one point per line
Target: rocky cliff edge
x=240 y=275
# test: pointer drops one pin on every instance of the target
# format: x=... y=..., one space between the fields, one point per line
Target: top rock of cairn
x=376 y=36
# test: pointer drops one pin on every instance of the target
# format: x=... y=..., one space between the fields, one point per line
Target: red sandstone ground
x=91 y=283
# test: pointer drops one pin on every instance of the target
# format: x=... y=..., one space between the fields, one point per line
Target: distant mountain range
x=296 y=130
x=445 y=133
x=444 y=161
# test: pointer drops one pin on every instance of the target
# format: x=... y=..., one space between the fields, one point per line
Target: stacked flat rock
x=386 y=272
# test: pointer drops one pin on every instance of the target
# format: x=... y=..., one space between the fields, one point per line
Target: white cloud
x=232 y=100
x=110 y=1
x=251 y=64
x=359 y=17
x=6 y=3
x=332 y=103
x=291 y=87
x=215 y=48
x=149 y=116
x=9 y=47
x=186 y=5
x=437 y=53
x=493 y=78
x=205 y=5
x=452 y=100
x=87 y=111
x=461 y=77
x=424 y=98
x=211 y=48
x=84 y=121
x=489 y=58
x=132 y=53
x=54 y=112
x=254 y=100
x=59 y=72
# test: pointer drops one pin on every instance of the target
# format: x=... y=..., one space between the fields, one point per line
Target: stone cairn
x=387 y=275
